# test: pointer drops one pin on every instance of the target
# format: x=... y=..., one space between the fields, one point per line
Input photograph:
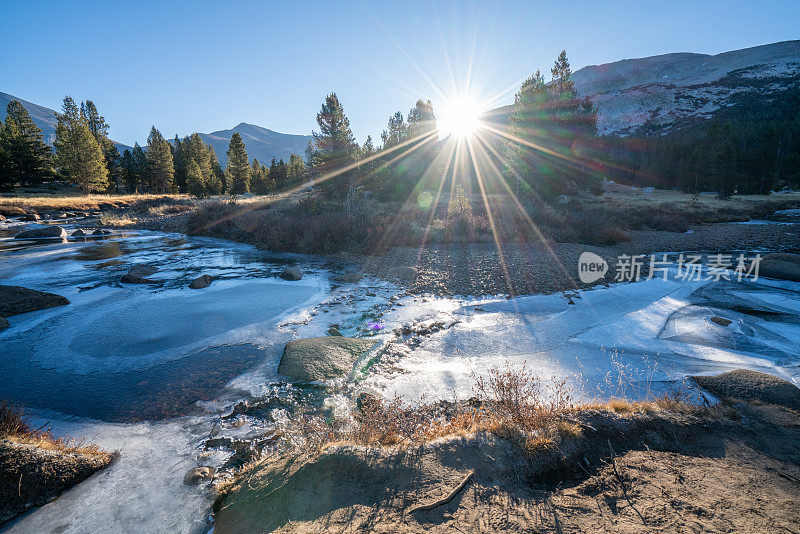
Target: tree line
x=83 y=155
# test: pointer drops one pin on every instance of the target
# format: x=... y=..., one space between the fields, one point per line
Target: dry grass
x=14 y=428
x=512 y=403
x=39 y=202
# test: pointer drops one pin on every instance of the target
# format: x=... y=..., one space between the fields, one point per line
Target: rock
x=2 y=217
x=138 y=275
x=350 y=277
x=12 y=211
x=240 y=408
x=721 y=321
x=746 y=385
x=32 y=217
x=291 y=273
x=319 y=358
x=783 y=266
x=78 y=233
x=197 y=475
x=100 y=231
x=201 y=281
x=3 y=323
x=63 y=215
x=405 y=273
x=16 y=299
x=332 y=331
x=46 y=232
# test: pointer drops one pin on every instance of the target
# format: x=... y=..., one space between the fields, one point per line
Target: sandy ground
x=663 y=473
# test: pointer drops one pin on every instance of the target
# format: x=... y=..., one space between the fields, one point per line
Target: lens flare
x=460 y=118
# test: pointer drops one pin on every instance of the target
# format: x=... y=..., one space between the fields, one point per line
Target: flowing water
x=156 y=371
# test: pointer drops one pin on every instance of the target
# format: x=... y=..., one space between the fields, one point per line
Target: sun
x=460 y=118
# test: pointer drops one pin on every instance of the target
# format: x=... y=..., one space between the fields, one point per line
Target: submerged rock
x=16 y=299
x=405 y=273
x=201 y=282
x=197 y=475
x=333 y=331
x=138 y=275
x=746 y=385
x=3 y=323
x=291 y=273
x=319 y=358
x=78 y=233
x=46 y=232
x=783 y=266
x=100 y=231
x=350 y=277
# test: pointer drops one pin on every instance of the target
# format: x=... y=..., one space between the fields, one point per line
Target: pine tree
x=96 y=122
x=159 y=160
x=368 y=149
x=562 y=85
x=396 y=131
x=130 y=178
x=333 y=146
x=237 y=171
x=26 y=159
x=421 y=119
x=78 y=156
x=195 y=183
x=216 y=181
x=297 y=168
x=180 y=163
x=142 y=170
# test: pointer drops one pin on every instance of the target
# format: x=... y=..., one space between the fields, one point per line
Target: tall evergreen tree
x=159 y=160
x=25 y=157
x=368 y=149
x=237 y=171
x=78 y=155
x=142 y=169
x=396 y=132
x=333 y=146
x=421 y=119
x=195 y=183
x=297 y=168
x=180 y=164
x=127 y=164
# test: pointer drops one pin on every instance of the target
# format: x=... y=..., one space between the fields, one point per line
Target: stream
x=159 y=372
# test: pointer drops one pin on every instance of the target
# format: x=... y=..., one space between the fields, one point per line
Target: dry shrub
x=14 y=427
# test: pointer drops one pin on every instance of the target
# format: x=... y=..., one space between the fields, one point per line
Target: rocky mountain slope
x=261 y=143
x=657 y=94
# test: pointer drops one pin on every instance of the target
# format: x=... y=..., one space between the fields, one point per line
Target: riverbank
x=668 y=464
x=36 y=467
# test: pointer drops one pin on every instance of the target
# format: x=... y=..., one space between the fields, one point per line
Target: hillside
x=657 y=94
x=261 y=143
x=45 y=118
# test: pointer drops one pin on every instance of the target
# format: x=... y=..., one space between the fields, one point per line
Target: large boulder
x=749 y=386
x=16 y=299
x=45 y=232
x=32 y=217
x=783 y=266
x=78 y=233
x=319 y=358
x=201 y=282
x=291 y=273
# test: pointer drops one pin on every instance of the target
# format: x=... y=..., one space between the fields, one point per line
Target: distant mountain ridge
x=261 y=143
x=657 y=94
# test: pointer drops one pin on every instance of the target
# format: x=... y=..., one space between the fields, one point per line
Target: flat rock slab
x=749 y=386
x=16 y=299
x=320 y=358
x=138 y=274
x=783 y=266
x=47 y=232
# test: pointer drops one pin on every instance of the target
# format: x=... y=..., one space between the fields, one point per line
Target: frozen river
x=154 y=371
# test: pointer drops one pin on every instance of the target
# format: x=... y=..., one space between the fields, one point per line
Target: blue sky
x=203 y=66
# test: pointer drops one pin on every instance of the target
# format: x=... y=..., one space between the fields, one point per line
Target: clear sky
x=203 y=66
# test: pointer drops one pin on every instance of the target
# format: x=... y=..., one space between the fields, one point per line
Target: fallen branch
x=444 y=500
